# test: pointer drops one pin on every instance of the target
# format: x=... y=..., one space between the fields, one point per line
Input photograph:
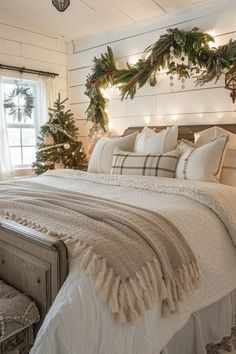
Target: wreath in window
x=20 y=103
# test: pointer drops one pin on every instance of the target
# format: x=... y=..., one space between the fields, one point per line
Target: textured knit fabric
x=17 y=311
x=136 y=257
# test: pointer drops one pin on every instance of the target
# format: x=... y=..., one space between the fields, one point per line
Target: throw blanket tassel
x=113 y=303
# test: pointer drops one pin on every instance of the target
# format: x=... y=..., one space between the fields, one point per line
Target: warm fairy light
x=110 y=125
x=212 y=45
x=134 y=59
x=147 y=120
x=162 y=70
x=105 y=93
x=211 y=33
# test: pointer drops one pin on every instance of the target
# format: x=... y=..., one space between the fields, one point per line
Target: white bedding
x=79 y=323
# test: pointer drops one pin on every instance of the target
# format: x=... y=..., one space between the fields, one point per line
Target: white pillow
x=150 y=142
x=133 y=163
x=201 y=163
x=228 y=172
x=101 y=158
x=212 y=133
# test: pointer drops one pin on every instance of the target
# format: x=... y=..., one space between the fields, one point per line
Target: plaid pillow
x=132 y=163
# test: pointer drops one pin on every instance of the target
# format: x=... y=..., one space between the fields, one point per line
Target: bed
x=78 y=321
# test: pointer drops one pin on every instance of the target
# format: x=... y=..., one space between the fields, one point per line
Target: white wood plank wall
x=155 y=106
x=23 y=47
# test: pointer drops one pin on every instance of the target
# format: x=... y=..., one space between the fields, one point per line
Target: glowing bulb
x=162 y=70
x=212 y=45
x=110 y=125
x=134 y=59
x=147 y=120
x=211 y=33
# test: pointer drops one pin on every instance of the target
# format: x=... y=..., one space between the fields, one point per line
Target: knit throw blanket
x=135 y=257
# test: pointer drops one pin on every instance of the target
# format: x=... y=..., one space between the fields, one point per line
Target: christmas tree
x=58 y=146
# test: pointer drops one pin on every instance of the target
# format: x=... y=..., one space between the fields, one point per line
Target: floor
x=228 y=345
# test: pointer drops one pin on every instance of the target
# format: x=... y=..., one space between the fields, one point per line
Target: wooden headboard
x=185 y=131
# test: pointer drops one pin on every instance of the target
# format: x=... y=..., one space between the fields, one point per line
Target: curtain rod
x=28 y=71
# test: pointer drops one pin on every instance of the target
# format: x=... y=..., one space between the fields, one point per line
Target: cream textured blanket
x=136 y=257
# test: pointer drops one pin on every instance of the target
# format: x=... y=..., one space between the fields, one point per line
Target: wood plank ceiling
x=84 y=18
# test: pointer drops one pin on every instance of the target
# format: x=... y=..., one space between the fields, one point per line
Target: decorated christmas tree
x=58 y=146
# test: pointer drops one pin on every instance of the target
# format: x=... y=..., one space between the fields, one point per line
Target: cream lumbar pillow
x=150 y=142
x=101 y=158
x=133 y=163
x=202 y=163
x=228 y=172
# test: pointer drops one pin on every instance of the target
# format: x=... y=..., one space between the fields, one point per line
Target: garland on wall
x=182 y=53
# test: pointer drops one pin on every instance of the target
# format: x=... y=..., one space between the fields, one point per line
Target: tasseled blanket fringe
x=127 y=298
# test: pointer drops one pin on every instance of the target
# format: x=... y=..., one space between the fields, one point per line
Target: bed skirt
x=208 y=325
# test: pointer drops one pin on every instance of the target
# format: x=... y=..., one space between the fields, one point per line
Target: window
x=21 y=110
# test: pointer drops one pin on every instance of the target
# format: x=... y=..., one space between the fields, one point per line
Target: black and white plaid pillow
x=131 y=163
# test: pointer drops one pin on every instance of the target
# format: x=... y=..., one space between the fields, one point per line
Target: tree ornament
x=48 y=139
x=23 y=110
x=66 y=146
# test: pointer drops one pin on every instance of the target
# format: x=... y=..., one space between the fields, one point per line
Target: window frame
x=20 y=168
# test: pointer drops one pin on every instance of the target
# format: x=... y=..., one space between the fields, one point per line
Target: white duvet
x=205 y=213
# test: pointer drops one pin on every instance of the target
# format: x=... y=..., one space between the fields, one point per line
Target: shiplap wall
x=160 y=105
x=23 y=47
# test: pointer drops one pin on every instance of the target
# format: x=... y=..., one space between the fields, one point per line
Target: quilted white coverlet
x=205 y=213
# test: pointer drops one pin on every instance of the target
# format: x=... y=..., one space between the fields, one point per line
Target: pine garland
x=182 y=53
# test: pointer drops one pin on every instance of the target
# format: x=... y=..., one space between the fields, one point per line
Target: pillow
x=133 y=163
x=212 y=133
x=149 y=142
x=201 y=163
x=228 y=172
x=101 y=158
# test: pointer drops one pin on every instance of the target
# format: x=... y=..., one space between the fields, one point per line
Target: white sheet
x=208 y=325
x=78 y=323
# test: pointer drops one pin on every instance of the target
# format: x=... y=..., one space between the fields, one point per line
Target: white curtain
x=49 y=93
x=5 y=159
